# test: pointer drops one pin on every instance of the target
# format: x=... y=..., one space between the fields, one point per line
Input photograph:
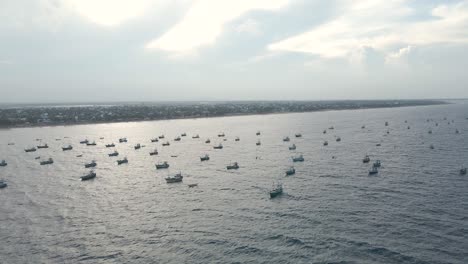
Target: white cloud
x=249 y=26
x=204 y=23
x=398 y=57
x=110 y=12
x=381 y=25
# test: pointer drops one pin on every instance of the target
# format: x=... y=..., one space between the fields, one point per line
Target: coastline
x=385 y=104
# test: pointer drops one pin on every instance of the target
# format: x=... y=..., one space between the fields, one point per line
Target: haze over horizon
x=188 y=50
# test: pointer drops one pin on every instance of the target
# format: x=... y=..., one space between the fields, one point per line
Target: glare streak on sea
x=415 y=210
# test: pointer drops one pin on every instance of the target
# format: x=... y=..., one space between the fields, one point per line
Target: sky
x=177 y=50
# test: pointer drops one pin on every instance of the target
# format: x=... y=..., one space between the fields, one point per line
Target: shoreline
x=66 y=124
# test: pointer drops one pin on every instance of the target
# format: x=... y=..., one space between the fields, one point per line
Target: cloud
x=249 y=26
x=204 y=22
x=110 y=12
x=381 y=25
x=398 y=57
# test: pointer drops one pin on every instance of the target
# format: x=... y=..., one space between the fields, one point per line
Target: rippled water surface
x=414 y=211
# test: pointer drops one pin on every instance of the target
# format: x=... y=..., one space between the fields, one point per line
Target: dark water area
x=415 y=210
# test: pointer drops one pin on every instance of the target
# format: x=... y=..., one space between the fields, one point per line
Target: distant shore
x=63 y=115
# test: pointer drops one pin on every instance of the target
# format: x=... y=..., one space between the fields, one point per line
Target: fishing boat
x=89 y=176
x=3 y=184
x=299 y=158
x=291 y=171
x=431 y=146
x=101 y=138
x=111 y=145
x=166 y=143
x=386 y=123
x=258 y=133
x=456 y=131
x=11 y=144
x=276 y=190
x=161 y=136
x=377 y=164
x=137 y=146
x=325 y=143
x=409 y=127
x=233 y=166
x=177 y=139
x=113 y=154
x=154 y=140
x=122 y=161
x=196 y=136
x=363 y=127
x=286 y=139
x=324 y=131
x=366 y=159
x=46 y=162
x=154 y=152
x=373 y=170
x=258 y=143
x=338 y=139
x=92 y=164
x=79 y=156
x=292 y=147
x=38 y=157
x=183 y=134
x=298 y=135
x=331 y=128
x=122 y=140
x=463 y=171
x=30 y=149
x=3 y=163
x=221 y=134
x=378 y=145
x=91 y=143
x=84 y=141
x=220 y=146
x=176 y=178
x=43 y=146
x=237 y=139
x=430 y=131
x=204 y=158
x=193 y=185
x=163 y=165
x=69 y=147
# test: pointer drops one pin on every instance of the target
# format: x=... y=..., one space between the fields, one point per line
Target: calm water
x=414 y=211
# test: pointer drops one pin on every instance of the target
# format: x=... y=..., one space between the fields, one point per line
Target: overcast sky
x=152 y=50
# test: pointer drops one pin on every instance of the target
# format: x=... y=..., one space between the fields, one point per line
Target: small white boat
x=30 y=149
x=276 y=190
x=92 y=164
x=176 y=178
x=163 y=165
x=113 y=154
x=373 y=170
x=291 y=171
x=233 y=166
x=366 y=159
x=47 y=162
x=122 y=161
x=69 y=147
x=89 y=176
x=220 y=146
x=299 y=158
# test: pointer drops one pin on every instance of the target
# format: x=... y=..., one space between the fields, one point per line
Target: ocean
x=415 y=210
